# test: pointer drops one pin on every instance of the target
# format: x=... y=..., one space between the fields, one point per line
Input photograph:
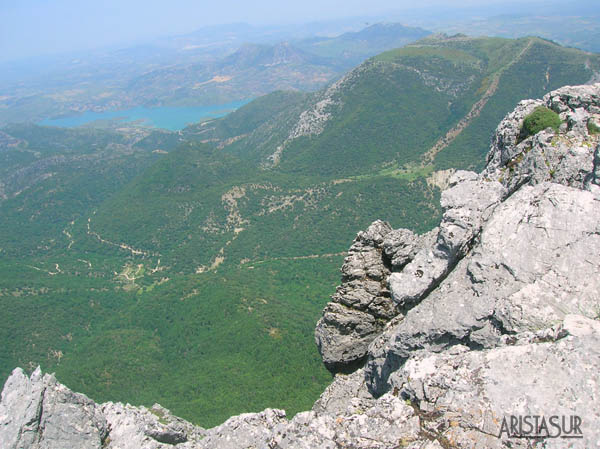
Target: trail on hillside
x=475 y=111
x=124 y=246
x=312 y=256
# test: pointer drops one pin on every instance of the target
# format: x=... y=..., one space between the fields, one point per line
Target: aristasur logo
x=541 y=427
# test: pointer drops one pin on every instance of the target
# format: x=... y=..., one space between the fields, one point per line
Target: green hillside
x=205 y=204
x=395 y=107
x=189 y=268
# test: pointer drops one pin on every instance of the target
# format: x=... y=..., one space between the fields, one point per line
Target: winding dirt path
x=133 y=251
x=312 y=256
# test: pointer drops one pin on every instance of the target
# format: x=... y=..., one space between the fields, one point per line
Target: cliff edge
x=483 y=333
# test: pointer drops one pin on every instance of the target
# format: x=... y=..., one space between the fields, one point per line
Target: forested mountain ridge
x=396 y=124
x=189 y=256
x=453 y=77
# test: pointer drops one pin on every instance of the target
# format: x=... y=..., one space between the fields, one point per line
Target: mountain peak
x=260 y=55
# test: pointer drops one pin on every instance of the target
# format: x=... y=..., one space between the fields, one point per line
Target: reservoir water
x=166 y=117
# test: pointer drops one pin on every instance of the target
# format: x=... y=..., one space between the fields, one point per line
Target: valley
x=189 y=267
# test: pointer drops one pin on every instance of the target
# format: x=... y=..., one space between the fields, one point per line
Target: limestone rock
x=518 y=249
x=343 y=336
x=155 y=428
x=250 y=430
x=400 y=246
x=362 y=305
x=467 y=203
x=384 y=426
x=537 y=260
x=468 y=394
x=37 y=412
x=509 y=258
x=565 y=158
x=40 y=413
x=344 y=393
x=505 y=139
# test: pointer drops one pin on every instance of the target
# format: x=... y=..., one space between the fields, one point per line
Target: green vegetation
x=540 y=119
x=205 y=346
x=543 y=67
x=593 y=128
x=190 y=269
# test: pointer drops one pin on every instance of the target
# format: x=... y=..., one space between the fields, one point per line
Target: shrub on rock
x=540 y=119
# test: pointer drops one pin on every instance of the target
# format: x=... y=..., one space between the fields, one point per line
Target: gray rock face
x=361 y=305
x=467 y=203
x=154 y=428
x=592 y=180
x=537 y=259
x=566 y=158
x=400 y=246
x=250 y=430
x=492 y=316
x=38 y=412
x=468 y=394
x=525 y=245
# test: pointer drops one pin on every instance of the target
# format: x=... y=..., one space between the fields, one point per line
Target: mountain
x=353 y=47
x=215 y=65
x=496 y=321
x=394 y=124
x=249 y=56
x=449 y=78
x=579 y=28
x=251 y=71
x=200 y=260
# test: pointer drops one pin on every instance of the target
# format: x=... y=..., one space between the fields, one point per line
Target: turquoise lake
x=166 y=117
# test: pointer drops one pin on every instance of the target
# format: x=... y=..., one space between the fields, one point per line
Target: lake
x=166 y=117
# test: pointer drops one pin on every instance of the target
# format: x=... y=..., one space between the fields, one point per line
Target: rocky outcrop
x=483 y=333
x=38 y=412
x=362 y=305
x=518 y=249
x=154 y=428
x=536 y=259
x=566 y=158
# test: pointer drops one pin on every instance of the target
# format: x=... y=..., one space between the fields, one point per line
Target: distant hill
x=253 y=55
x=253 y=70
x=216 y=65
x=189 y=268
x=577 y=27
x=354 y=47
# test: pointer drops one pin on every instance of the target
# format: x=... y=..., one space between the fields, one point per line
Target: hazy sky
x=36 y=27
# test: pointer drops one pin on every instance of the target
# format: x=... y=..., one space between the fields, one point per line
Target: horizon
x=36 y=29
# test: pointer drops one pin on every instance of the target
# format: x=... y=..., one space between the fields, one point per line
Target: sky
x=40 y=27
